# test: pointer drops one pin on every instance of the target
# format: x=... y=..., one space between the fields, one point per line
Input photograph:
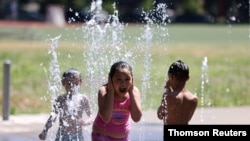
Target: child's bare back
x=180 y=107
x=178 y=103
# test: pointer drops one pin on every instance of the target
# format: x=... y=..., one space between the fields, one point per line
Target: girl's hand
x=110 y=87
x=131 y=89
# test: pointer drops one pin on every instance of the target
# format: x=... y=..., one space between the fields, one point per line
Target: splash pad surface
x=27 y=127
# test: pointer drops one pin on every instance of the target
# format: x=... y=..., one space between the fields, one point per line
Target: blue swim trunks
x=64 y=136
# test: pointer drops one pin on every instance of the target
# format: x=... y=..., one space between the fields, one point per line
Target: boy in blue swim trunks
x=69 y=107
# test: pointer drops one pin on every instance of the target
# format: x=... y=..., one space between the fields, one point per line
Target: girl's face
x=122 y=81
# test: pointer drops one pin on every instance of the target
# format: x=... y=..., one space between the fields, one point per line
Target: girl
x=117 y=101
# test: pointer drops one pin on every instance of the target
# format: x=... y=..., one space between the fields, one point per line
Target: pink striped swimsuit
x=119 y=122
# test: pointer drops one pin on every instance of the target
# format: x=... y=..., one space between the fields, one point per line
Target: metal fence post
x=6 y=89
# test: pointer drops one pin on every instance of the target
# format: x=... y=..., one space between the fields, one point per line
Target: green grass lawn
x=226 y=48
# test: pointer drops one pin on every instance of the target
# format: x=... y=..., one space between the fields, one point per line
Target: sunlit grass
x=226 y=48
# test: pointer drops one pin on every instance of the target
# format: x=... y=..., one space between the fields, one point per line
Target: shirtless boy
x=178 y=103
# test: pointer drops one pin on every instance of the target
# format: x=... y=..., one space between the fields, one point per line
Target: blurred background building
x=179 y=11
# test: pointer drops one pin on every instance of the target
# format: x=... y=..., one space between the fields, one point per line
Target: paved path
x=27 y=127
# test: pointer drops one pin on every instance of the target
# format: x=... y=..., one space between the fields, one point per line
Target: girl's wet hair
x=71 y=73
x=119 y=65
x=180 y=70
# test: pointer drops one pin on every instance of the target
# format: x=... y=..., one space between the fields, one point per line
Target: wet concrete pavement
x=27 y=127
